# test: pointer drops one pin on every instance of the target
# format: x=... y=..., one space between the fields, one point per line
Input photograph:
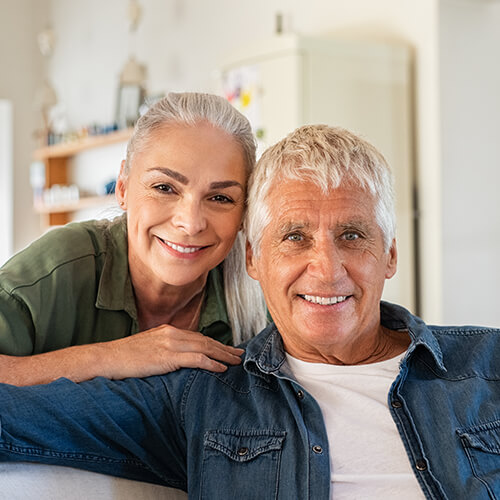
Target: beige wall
x=470 y=152
x=183 y=42
x=20 y=74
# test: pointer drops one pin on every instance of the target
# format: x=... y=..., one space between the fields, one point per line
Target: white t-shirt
x=367 y=456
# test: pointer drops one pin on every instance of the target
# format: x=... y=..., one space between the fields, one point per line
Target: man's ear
x=251 y=261
x=392 y=260
x=121 y=187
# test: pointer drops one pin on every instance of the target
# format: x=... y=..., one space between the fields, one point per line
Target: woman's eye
x=165 y=188
x=221 y=198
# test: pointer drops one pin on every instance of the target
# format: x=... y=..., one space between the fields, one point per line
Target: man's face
x=322 y=268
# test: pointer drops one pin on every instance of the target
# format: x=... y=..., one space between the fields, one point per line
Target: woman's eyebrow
x=172 y=173
x=225 y=184
x=184 y=180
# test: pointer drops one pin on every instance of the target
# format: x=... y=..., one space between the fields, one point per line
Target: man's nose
x=189 y=217
x=326 y=261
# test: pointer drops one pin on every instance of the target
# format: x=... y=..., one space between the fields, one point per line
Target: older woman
x=129 y=297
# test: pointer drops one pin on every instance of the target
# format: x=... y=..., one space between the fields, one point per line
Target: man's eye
x=351 y=236
x=221 y=198
x=295 y=237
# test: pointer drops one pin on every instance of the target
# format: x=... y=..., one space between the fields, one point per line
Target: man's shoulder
x=468 y=351
x=457 y=349
x=475 y=331
x=478 y=338
x=240 y=378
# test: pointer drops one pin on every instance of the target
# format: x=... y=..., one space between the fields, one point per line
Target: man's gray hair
x=328 y=157
x=244 y=300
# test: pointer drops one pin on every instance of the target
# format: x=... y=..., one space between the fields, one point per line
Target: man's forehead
x=314 y=189
x=302 y=204
x=297 y=195
x=291 y=216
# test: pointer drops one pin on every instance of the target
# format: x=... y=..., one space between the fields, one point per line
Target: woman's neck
x=178 y=306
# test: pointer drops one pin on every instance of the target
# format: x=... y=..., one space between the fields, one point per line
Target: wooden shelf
x=57 y=161
x=66 y=149
x=73 y=206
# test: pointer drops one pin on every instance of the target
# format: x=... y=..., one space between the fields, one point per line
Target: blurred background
x=421 y=80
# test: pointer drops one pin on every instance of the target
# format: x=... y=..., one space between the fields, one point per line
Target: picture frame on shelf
x=130 y=99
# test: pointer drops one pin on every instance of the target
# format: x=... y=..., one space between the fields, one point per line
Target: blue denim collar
x=398 y=318
x=265 y=354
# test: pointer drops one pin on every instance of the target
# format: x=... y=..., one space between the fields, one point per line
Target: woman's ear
x=121 y=187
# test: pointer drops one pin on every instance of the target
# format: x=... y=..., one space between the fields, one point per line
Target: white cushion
x=27 y=481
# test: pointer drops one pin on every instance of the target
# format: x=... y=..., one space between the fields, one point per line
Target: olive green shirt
x=72 y=286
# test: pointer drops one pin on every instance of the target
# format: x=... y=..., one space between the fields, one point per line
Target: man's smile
x=324 y=301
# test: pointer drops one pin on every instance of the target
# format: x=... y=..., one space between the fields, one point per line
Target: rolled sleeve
x=17 y=332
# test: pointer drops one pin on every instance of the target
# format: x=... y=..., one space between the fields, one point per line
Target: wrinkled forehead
x=287 y=194
x=294 y=202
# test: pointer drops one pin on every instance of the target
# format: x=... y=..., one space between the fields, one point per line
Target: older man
x=341 y=397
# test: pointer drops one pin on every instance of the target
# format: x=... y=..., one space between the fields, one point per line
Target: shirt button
x=421 y=465
x=300 y=394
x=243 y=451
x=396 y=404
x=317 y=449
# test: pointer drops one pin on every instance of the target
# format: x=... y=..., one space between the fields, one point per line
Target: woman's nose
x=189 y=217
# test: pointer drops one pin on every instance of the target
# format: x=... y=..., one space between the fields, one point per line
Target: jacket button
x=242 y=451
x=300 y=394
x=317 y=449
x=396 y=404
x=421 y=465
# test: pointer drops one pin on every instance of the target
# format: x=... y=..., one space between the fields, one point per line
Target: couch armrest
x=27 y=481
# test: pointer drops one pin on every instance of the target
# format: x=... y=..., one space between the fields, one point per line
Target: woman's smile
x=183 y=251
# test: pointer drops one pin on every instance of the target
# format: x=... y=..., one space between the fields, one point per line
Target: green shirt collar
x=215 y=304
x=115 y=288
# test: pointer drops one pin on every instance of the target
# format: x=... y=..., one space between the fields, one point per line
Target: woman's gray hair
x=244 y=300
x=328 y=157
x=191 y=108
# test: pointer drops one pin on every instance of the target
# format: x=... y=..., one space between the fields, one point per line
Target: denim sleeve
x=129 y=428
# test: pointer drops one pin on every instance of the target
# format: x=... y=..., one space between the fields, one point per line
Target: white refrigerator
x=6 y=181
x=364 y=86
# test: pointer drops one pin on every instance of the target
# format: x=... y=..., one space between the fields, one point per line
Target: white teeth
x=181 y=249
x=324 y=301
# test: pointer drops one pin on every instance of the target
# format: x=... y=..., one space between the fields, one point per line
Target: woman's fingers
x=198 y=360
x=165 y=349
x=198 y=343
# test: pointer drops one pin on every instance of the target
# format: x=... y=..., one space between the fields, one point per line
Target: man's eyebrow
x=360 y=225
x=288 y=226
x=172 y=173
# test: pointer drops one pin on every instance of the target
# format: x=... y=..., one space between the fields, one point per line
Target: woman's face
x=184 y=196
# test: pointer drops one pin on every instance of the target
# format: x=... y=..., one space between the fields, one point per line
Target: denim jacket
x=253 y=432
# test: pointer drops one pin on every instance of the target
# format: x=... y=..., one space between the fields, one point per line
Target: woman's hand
x=153 y=352
x=162 y=350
